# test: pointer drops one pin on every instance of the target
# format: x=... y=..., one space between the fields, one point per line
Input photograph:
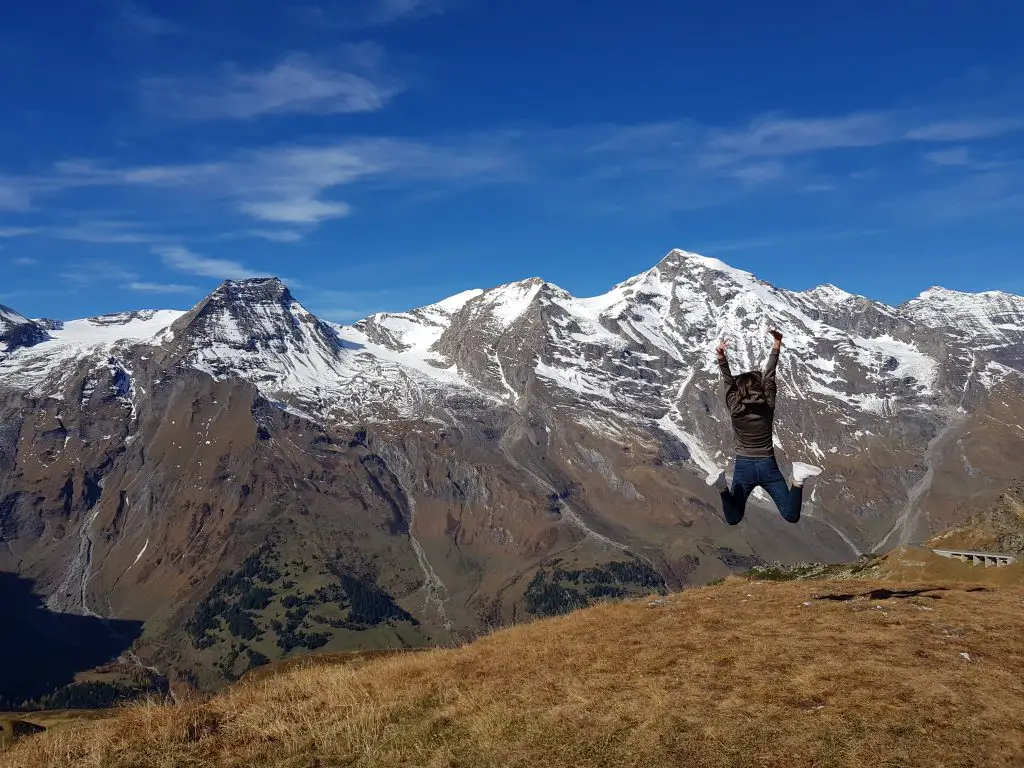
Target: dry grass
x=742 y=674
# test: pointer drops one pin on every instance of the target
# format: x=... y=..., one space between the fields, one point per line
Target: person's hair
x=749 y=383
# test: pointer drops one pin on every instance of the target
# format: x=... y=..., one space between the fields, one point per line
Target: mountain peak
x=938 y=293
x=251 y=313
x=830 y=293
x=678 y=263
x=254 y=289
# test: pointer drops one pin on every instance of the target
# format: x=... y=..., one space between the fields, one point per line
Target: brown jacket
x=754 y=415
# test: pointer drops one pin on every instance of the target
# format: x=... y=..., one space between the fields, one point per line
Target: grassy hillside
x=903 y=565
x=747 y=673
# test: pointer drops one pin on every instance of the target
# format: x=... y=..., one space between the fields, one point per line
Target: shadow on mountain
x=41 y=651
x=886 y=594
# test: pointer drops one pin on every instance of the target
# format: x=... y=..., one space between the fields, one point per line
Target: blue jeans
x=751 y=473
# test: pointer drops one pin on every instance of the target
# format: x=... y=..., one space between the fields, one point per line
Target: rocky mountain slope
x=998 y=528
x=18 y=331
x=251 y=481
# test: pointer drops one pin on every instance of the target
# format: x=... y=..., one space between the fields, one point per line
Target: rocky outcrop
x=17 y=331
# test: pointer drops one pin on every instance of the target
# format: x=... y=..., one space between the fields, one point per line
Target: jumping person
x=750 y=398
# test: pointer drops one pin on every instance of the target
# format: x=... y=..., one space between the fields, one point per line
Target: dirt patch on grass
x=811 y=673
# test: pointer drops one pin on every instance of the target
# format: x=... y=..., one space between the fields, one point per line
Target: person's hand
x=722 y=345
x=777 y=335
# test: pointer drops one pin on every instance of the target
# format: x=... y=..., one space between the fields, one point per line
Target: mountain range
x=249 y=481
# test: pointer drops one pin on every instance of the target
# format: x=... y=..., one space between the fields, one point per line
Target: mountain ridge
x=243 y=476
x=828 y=287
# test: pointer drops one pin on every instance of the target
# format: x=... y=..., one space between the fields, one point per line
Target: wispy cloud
x=951 y=156
x=774 y=135
x=606 y=169
x=17 y=231
x=159 y=287
x=965 y=130
x=963 y=157
x=297 y=84
x=297 y=211
x=135 y=19
x=273 y=235
x=758 y=173
x=14 y=195
x=184 y=260
x=288 y=184
x=785 y=239
x=390 y=11
x=104 y=232
x=24 y=261
x=976 y=194
x=372 y=13
x=98 y=271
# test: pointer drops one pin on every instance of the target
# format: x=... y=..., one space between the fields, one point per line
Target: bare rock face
x=17 y=331
x=251 y=482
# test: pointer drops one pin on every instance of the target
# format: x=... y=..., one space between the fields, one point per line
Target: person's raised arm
x=728 y=381
x=723 y=361
x=768 y=377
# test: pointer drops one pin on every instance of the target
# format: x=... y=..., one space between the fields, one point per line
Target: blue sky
x=382 y=154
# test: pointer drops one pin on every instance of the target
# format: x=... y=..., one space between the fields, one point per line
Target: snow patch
x=139 y=556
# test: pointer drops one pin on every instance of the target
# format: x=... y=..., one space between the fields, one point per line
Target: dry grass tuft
x=742 y=674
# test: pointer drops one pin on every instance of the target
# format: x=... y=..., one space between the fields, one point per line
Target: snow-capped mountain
x=466 y=446
x=635 y=360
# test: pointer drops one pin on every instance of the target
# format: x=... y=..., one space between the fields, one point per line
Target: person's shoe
x=802 y=471
x=717 y=481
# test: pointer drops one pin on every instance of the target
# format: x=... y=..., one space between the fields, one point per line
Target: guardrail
x=988 y=559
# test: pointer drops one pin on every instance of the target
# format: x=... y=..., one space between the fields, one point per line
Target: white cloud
x=185 y=260
x=275 y=235
x=24 y=261
x=976 y=194
x=758 y=173
x=967 y=158
x=390 y=11
x=374 y=13
x=159 y=287
x=17 y=231
x=298 y=84
x=649 y=167
x=139 y=21
x=965 y=130
x=297 y=211
x=951 y=156
x=286 y=184
x=787 y=239
x=14 y=196
x=99 y=271
x=111 y=232
x=774 y=135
